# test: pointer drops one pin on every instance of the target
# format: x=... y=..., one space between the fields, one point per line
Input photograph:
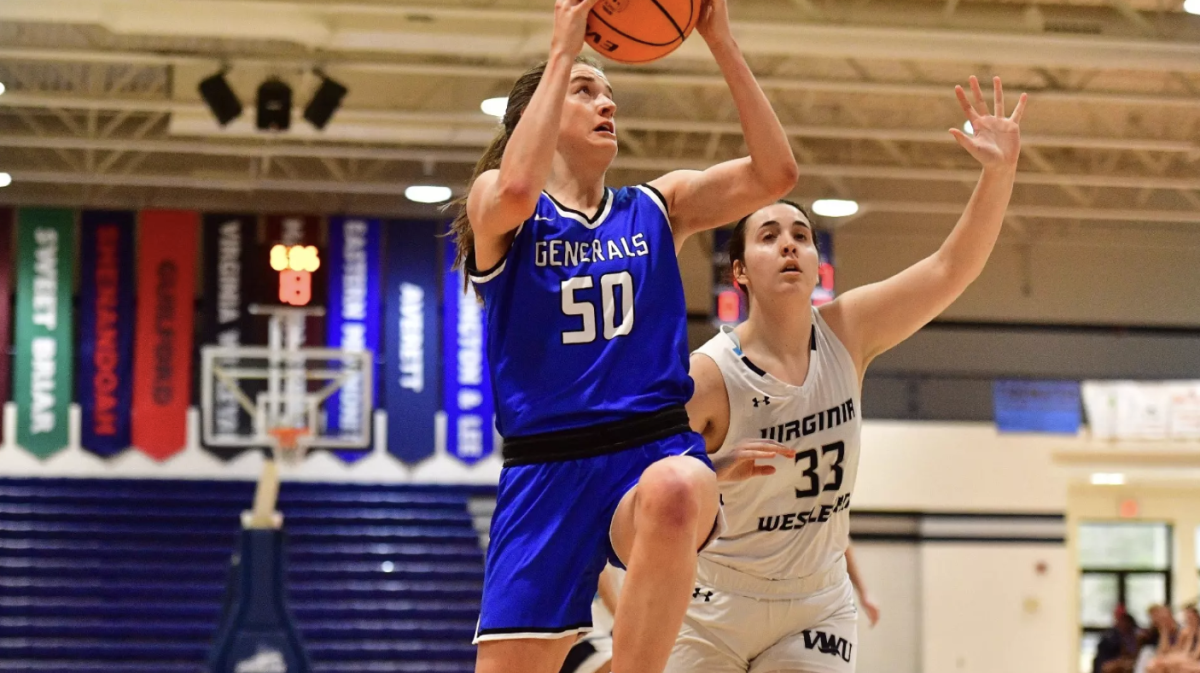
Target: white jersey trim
x=657 y=199
x=592 y=223
x=482 y=277
x=536 y=635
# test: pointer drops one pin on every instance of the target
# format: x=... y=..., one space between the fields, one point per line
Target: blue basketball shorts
x=550 y=538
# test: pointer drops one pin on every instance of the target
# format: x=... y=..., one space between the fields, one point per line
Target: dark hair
x=737 y=243
x=518 y=99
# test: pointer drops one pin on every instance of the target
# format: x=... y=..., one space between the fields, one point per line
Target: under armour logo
x=700 y=592
x=765 y=400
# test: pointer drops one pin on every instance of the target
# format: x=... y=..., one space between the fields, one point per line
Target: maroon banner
x=6 y=272
x=166 y=291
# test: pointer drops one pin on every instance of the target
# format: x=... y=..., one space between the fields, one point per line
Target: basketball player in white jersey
x=773 y=594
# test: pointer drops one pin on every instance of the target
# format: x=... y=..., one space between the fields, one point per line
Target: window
x=1120 y=563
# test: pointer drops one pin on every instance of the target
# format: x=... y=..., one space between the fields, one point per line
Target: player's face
x=781 y=257
x=589 y=113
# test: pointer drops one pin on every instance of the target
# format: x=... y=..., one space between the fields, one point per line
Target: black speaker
x=274 y=106
x=324 y=102
x=220 y=98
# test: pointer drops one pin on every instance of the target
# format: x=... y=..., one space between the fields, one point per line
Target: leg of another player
x=526 y=655
x=657 y=530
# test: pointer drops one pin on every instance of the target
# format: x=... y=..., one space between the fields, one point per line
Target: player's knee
x=670 y=495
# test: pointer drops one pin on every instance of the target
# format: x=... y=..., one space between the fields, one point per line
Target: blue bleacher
x=127 y=576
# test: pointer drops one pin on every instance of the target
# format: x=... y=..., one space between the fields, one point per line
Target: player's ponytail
x=518 y=99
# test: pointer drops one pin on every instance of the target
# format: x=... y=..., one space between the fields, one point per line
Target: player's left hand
x=871 y=609
x=714 y=21
x=996 y=142
x=740 y=463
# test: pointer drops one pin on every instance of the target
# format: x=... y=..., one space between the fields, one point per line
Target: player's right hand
x=741 y=464
x=570 y=25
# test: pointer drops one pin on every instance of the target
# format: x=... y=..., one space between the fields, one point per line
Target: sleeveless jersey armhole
x=479 y=277
x=732 y=424
x=659 y=200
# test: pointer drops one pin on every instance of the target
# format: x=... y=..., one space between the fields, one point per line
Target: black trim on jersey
x=590 y=220
x=662 y=199
x=474 y=272
x=758 y=370
x=753 y=367
x=596 y=440
x=533 y=629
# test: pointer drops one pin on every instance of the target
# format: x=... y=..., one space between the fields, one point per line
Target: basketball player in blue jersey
x=773 y=594
x=587 y=345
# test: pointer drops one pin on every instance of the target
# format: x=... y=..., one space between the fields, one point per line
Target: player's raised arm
x=699 y=200
x=502 y=198
x=874 y=318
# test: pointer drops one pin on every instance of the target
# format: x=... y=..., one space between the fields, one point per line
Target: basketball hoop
x=288 y=443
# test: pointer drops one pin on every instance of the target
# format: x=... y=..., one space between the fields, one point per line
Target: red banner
x=162 y=376
x=6 y=269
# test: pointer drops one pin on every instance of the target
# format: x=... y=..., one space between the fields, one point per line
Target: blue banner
x=1037 y=406
x=412 y=374
x=352 y=317
x=106 y=323
x=467 y=386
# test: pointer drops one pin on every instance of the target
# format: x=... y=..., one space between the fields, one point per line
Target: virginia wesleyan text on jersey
x=586 y=316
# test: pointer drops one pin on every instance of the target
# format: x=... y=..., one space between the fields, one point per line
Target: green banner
x=42 y=383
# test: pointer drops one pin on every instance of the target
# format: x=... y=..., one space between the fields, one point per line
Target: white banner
x=1145 y=411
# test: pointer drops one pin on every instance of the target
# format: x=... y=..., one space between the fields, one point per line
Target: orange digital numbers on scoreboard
x=295 y=265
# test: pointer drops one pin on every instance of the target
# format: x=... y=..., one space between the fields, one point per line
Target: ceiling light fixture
x=495 y=107
x=428 y=194
x=835 y=207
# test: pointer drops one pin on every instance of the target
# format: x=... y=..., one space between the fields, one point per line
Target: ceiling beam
x=620 y=77
x=994 y=36
x=649 y=164
x=396 y=188
x=474 y=129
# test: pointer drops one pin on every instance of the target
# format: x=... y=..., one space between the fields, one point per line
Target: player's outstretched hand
x=713 y=25
x=740 y=463
x=996 y=141
x=570 y=25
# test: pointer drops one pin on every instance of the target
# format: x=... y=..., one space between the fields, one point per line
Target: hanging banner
x=6 y=271
x=466 y=383
x=231 y=270
x=46 y=256
x=1149 y=410
x=412 y=375
x=106 y=320
x=1037 y=406
x=352 y=318
x=166 y=264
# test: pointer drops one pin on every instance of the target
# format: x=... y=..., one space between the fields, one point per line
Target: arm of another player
x=872 y=319
x=708 y=413
x=501 y=199
x=868 y=605
x=699 y=200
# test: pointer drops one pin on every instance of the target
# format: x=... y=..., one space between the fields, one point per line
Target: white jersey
x=796 y=522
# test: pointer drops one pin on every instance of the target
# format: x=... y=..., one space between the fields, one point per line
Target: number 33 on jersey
x=616 y=340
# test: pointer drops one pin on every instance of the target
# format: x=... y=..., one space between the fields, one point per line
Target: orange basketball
x=640 y=31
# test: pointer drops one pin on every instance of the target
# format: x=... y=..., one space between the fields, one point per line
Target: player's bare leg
x=526 y=655
x=657 y=530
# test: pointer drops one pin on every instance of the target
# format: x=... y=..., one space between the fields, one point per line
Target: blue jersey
x=586 y=319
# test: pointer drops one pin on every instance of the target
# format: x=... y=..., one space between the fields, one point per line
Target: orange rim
x=288 y=438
